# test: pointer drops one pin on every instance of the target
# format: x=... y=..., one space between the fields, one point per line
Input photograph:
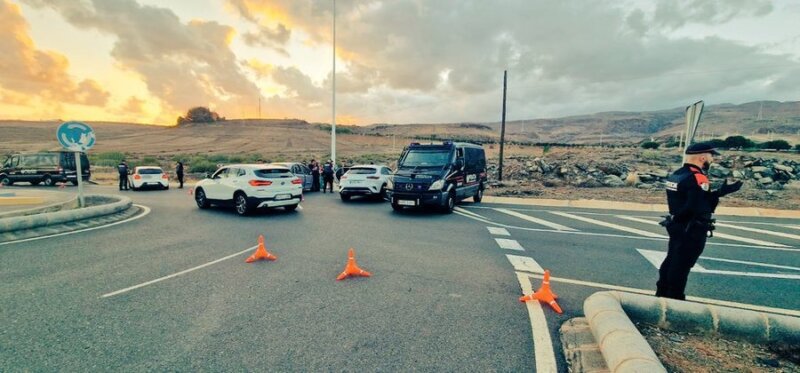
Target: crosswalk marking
x=524 y=263
x=498 y=231
x=657 y=257
x=763 y=231
x=507 y=244
x=534 y=220
x=716 y=234
x=609 y=225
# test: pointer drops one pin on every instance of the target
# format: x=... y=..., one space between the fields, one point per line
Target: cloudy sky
x=398 y=61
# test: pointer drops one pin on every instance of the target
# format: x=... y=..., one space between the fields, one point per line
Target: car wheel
x=200 y=198
x=5 y=180
x=47 y=181
x=344 y=197
x=290 y=207
x=34 y=183
x=382 y=194
x=478 y=197
x=241 y=204
x=449 y=204
x=166 y=187
x=75 y=182
x=396 y=207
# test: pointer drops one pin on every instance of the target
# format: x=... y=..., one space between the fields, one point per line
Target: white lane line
x=524 y=264
x=543 y=352
x=657 y=257
x=498 y=231
x=762 y=231
x=507 y=244
x=609 y=225
x=622 y=236
x=465 y=211
x=791 y=226
x=145 y=211
x=113 y=293
x=744 y=306
x=716 y=234
x=479 y=218
x=532 y=219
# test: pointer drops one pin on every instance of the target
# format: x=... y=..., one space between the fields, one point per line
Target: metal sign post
x=693 y=114
x=79 y=171
x=77 y=137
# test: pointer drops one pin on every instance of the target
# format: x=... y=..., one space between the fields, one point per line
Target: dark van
x=45 y=168
x=438 y=175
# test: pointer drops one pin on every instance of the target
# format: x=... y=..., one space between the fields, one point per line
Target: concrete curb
x=58 y=206
x=44 y=219
x=632 y=206
x=609 y=314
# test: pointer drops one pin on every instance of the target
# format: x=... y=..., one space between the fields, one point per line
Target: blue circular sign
x=76 y=136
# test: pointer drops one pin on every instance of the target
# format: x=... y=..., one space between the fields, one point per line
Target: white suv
x=250 y=186
x=364 y=180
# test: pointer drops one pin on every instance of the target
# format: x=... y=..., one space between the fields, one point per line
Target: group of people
x=124 y=171
x=326 y=171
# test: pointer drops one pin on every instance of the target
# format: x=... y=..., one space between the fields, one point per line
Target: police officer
x=691 y=205
x=122 y=168
x=179 y=173
x=327 y=176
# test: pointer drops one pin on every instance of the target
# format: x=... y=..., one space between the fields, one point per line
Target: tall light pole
x=333 y=92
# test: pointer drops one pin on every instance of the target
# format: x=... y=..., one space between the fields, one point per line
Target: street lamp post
x=333 y=92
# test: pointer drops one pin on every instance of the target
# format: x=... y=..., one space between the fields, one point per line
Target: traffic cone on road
x=352 y=269
x=544 y=294
x=191 y=191
x=261 y=252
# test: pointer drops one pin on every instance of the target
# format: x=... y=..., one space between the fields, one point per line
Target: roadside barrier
x=544 y=294
x=352 y=269
x=261 y=252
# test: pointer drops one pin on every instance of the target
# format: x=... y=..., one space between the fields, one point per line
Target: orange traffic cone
x=261 y=252
x=352 y=269
x=191 y=191
x=544 y=294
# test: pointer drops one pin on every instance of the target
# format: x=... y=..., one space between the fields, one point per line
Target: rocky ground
x=772 y=180
x=684 y=352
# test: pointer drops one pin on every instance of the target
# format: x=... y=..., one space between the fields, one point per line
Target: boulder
x=719 y=171
x=765 y=181
x=613 y=181
x=781 y=167
x=589 y=183
x=759 y=169
x=659 y=174
x=738 y=174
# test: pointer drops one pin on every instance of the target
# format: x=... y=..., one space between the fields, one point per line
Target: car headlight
x=437 y=185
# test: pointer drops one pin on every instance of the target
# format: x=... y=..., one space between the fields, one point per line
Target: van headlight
x=437 y=185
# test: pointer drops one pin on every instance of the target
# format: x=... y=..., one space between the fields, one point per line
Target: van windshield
x=426 y=158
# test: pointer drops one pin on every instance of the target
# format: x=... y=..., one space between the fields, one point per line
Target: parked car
x=364 y=180
x=250 y=186
x=148 y=177
x=45 y=168
x=438 y=175
x=300 y=170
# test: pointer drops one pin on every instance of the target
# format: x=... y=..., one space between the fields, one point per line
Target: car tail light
x=59 y=169
x=344 y=177
x=373 y=177
x=297 y=181
x=164 y=176
x=259 y=182
x=137 y=177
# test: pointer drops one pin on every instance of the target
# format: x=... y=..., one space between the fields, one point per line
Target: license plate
x=281 y=197
x=355 y=181
x=403 y=202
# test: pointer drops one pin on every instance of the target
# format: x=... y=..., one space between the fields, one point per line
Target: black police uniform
x=691 y=205
x=123 y=176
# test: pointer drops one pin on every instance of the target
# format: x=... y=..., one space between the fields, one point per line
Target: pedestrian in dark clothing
x=314 y=166
x=179 y=172
x=691 y=207
x=327 y=175
x=122 y=168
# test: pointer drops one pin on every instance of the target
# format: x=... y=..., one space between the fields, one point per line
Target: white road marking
x=507 y=244
x=657 y=257
x=609 y=225
x=524 y=264
x=763 y=231
x=593 y=234
x=465 y=211
x=791 y=226
x=146 y=210
x=535 y=220
x=113 y=293
x=543 y=352
x=498 y=231
x=716 y=234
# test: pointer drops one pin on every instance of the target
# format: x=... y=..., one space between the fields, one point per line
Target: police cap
x=700 y=148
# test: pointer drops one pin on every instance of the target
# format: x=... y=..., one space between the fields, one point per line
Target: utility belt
x=705 y=223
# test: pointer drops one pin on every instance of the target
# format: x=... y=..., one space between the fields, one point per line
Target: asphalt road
x=443 y=296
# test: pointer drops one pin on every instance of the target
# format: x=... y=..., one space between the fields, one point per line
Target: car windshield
x=273 y=173
x=150 y=171
x=361 y=171
x=426 y=158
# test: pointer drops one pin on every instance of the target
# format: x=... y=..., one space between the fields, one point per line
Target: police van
x=43 y=168
x=438 y=175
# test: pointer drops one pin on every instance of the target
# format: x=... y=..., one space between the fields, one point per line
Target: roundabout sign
x=76 y=137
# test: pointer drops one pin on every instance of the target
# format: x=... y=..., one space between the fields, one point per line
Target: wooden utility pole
x=502 y=128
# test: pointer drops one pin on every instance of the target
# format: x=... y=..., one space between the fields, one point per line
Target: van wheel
x=241 y=204
x=5 y=180
x=449 y=204
x=75 y=182
x=200 y=198
x=478 y=197
x=47 y=181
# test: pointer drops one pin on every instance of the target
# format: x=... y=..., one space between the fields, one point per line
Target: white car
x=364 y=180
x=148 y=177
x=250 y=186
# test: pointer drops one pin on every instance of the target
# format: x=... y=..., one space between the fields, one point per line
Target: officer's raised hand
x=726 y=188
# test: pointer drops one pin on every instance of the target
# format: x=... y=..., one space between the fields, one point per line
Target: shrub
x=148 y=161
x=718 y=143
x=739 y=142
x=651 y=155
x=775 y=144
x=199 y=115
x=202 y=166
x=797 y=147
x=650 y=145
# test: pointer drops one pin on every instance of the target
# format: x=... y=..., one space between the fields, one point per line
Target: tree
x=739 y=142
x=650 y=145
x=776 y=144
x=199 y=115
x=797 y=147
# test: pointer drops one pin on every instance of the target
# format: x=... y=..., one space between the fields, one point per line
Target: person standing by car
x=327 y=175
x=314 y=166
x=179 y=173
x=689 y=223
x=122 y=168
